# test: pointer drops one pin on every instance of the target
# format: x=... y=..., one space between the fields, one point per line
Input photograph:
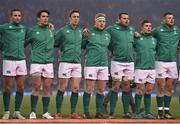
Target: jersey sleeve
x=28 y=37
x=58 y=38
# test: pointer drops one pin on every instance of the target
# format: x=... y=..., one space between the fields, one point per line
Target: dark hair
x=41 y=11
x=123 y=13
x=144 y=21
x=73 y=11
x=13 y=10
x=167 y=13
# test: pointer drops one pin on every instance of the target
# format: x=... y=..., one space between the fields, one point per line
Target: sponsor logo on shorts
x=115 y=73
x=64 y=74
x=8 y=72
x=140 y=79
x=90 y=75
x=159 y=74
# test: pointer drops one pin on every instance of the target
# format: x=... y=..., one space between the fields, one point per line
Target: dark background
x=137 y=9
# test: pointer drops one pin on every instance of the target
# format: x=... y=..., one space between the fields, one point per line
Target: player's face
x=100 y=24
x=43 y=19
x=147 y=27
x=16 y=17
x=74 y=19
x=124 y=20
x=169 y=20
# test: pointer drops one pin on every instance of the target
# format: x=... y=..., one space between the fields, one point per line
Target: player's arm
x=28 y=37
x=178 y=47
x=84 y=43
x=58 y=38
x=2 y=28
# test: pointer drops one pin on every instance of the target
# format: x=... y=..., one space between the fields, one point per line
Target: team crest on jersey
x=67 y=31
x=10 y=26
x=141 y=38
x=175 y=32
x=92 y=33
x=107 y=38
x=37 y=32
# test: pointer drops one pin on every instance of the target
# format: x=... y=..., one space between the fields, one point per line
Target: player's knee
x=20 y=89
x=46 y=88
x=7 y=89
x=160 y=92
x=149 y=90
x=36 y=88
x=161 y=89
x=168 y=88
x=126 y=87
x=139 y=91
x=62 y=88
x=75 y=89
x=115 y=88
x=88 y=90
x=100 y=90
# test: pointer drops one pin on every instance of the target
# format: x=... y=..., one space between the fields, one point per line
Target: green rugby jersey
x=12 y=41
x=167 y=42
x=69 y=40
x=145 y=49
x=121 y=45
x=96 y=46
x=41 y=39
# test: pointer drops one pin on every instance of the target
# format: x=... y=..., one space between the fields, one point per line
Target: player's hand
x=51 y=26
x=85 y=32
x=137 y=34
